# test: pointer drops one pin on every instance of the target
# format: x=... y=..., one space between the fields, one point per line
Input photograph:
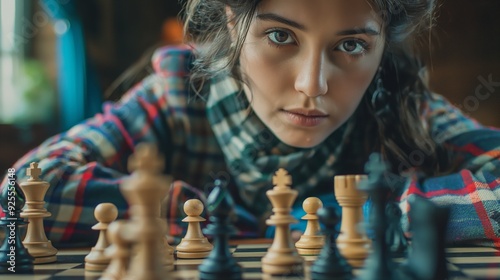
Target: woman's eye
x=280 y=37
x=353 y=47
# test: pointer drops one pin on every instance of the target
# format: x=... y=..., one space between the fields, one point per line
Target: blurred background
x=60 y=59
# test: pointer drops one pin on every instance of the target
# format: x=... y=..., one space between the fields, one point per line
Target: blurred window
x=26 y=95
x=10 y=57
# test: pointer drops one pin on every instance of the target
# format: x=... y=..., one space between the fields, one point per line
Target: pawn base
x=192 y=255
x=284 y=270
x=308 y=252
x=96 y=266
x=217 y=267
x=331 y=268
x=356 y=263
x=47 y=259
x=310 y=242
x=234 y=274
x=282 y=261
x=323 y=276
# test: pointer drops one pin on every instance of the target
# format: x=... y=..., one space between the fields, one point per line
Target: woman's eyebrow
x=278 y=18
x=275 y=17
x=355 y=31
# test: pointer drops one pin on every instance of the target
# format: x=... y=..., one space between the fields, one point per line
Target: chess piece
x=220 y=264
x=282 y=258
x=118 y=251
x=395 y=238
x=166 y=249
x=330 y=264
x=194 y=245
x=96 y=260
x=353 y=244
x=426 y=258
x=35 y=240
x=379 y=265
x=161 y=208
x=14 y=257
x=311 y=242
x=144 y=189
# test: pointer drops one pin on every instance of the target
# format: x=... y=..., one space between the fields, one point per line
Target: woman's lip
x=306 y=113
x=303 y=120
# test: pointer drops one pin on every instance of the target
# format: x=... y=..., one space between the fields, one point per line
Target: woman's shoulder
x=444 y=118
x=168 y=80
x=432 y=104
x=173 y=60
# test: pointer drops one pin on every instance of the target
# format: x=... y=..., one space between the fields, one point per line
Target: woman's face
x=308 y=63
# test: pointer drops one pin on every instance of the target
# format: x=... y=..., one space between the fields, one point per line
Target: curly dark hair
x=395 y=129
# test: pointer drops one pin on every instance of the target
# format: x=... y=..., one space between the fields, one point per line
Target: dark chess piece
x=220 y=264
x=426 y=258
x=330 y=264
x=14 y=257
x=379 y=265
x=395 y=238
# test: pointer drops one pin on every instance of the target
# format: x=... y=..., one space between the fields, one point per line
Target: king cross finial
x=34 y=172
x=282 y=179
x=146 y=158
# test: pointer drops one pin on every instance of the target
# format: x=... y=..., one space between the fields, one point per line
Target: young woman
x=313 y=87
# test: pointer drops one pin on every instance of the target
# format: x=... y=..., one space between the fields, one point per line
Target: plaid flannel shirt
x=86 y=164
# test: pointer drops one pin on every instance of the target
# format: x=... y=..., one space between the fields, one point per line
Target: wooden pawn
x=194 y=245
x=96 y=260
x=118 y=251
x=311 y=242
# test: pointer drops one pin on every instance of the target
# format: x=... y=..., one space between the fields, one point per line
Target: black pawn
x=330 y=264
x=427 y=254
x=395 y=238
x=14 y=257
x=220 y=264
x=379 y=265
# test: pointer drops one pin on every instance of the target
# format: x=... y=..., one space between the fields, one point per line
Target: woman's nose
x=311 y=77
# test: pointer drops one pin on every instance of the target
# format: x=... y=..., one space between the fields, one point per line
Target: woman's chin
x=303 y=141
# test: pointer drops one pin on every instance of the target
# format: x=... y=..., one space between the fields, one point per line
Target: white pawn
x=194 y=245
x=311 y=242
x=35 y=240
x=96 y=260
x=118 y=251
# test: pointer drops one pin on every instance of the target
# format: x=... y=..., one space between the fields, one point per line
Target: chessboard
x=463 y=263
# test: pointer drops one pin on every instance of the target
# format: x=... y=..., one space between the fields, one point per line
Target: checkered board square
x=474 y=263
